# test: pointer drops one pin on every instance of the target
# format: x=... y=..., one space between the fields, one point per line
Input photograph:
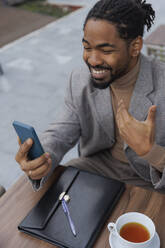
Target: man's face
x=105 y=53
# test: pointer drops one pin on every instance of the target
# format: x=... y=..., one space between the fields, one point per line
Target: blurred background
x=40 y=44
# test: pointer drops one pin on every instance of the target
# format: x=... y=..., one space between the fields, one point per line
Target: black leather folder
x=92 y=199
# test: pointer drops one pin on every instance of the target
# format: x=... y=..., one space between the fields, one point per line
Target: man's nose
x=94 y=59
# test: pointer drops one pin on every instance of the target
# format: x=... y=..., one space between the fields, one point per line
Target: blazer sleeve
x=156 y=158
x=61 y=135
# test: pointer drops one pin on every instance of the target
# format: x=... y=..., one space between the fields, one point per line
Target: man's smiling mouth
x=99 y=73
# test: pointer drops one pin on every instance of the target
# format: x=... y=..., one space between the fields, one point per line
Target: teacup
x=128 y=219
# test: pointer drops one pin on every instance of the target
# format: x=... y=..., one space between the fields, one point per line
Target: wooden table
x=19 y=199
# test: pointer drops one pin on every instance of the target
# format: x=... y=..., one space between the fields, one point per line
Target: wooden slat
x=14 y=206
x=138 y=200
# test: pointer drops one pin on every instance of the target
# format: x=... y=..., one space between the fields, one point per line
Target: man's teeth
x=98 y=72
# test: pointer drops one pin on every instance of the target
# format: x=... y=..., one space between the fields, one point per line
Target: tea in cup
x=133 y=230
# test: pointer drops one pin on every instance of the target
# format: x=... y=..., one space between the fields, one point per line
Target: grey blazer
x=87 y=118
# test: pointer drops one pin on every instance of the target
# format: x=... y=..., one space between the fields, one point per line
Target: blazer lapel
x=140 y=101
x=103 y=111
x=139 y=105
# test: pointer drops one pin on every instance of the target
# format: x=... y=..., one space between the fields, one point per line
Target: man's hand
x=37 y=168
x=139 y=135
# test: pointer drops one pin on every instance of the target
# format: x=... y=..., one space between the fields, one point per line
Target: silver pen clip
x=64 y=199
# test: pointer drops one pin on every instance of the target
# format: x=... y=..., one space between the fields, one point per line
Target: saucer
x=114 y=243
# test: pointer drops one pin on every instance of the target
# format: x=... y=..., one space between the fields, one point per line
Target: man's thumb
x=152 y=114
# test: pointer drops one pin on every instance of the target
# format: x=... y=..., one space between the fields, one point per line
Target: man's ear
x=136 y=46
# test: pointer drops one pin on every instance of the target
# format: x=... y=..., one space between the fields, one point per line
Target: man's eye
x=107 y=52
x=87 y=48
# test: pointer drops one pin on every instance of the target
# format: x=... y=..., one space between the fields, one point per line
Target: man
x=114 y=107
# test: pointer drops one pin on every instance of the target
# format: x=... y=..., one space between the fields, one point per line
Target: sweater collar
x=128 y=79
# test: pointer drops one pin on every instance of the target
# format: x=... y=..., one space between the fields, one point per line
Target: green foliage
x=42 y=7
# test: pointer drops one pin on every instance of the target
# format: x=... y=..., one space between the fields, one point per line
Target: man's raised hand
x=139 y=135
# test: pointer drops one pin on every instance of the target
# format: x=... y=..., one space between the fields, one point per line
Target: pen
x=66 y=211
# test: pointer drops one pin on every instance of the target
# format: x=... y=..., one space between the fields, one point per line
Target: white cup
x=114 y=228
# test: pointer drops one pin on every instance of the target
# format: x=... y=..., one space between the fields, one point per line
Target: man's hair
x=129 y=16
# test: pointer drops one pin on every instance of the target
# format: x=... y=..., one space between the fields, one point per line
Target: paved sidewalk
x=37 y=69
x=15 y=23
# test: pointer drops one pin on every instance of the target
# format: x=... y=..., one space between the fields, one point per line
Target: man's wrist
x=144 y=151
x=156 y=157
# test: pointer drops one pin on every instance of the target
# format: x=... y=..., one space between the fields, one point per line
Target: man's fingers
x=35 y=163
x=151 y=114
x=38 y=177
x=23 y=150
x=19 y=141
x=41 y=171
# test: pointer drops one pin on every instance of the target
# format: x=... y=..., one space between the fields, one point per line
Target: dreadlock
x=129 y=16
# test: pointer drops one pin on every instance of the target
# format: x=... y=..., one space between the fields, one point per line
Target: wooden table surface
x=20 y=198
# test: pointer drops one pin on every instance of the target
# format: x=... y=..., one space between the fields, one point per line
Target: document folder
x=92 y=198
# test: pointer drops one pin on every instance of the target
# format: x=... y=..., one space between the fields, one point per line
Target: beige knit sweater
x=122 y=88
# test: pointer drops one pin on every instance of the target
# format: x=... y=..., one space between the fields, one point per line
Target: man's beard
x=105 y=84
x=99 y=84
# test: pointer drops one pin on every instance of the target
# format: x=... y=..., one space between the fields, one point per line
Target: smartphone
x=24 y=132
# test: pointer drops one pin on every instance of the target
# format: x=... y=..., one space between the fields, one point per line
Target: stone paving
x=36 y=72
x=16 y=22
